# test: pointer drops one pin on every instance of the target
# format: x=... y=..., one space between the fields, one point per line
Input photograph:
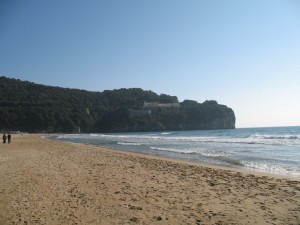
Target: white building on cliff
x=161 y=105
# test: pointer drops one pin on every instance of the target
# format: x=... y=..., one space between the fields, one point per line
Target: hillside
x=31 y=107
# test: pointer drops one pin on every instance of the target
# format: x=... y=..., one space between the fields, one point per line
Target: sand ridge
x=50 y=182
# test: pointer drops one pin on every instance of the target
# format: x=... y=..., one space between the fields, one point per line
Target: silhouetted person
x=8 y=138
x=4 y=138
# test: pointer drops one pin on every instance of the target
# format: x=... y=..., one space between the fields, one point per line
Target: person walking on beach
x=4 y=138
x=8 y=138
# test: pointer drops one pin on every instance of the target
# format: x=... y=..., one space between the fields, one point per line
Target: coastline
x=52 y=182
x=265 y=150
x=244 y=171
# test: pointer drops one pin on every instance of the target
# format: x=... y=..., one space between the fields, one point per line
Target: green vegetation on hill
x=26 y=106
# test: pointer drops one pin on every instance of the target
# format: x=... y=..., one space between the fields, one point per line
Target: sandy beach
x=50 y=182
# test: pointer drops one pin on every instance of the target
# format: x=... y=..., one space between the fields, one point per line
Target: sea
x=274 y=150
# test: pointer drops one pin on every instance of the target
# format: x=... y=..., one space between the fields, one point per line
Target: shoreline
x=44 y=181
x=243 y=170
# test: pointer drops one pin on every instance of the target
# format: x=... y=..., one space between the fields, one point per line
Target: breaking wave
x=276 y=137
x=181 y=151
x=129 y=143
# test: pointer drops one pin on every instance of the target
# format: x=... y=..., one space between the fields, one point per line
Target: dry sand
x=49 y=182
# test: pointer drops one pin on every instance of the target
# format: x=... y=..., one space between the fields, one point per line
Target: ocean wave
x=217 y=140
x=234 y=162
x=276 y=169
x=248 y=141
x=167 y=137
x=276 y=136
x=130 y=143
x=94 y=135
x=222 y=158
x=69 y=136
x=166 y=133
x=181 y=151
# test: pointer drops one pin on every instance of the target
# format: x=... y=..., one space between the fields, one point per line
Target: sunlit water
x=271 y=150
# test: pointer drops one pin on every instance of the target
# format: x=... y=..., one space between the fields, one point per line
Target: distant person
x=8 y=138
x=4 y=138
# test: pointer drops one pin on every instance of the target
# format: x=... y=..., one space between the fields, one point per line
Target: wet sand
x=50 y=182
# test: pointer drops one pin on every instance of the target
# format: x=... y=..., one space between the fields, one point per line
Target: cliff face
x=224 y=123
x=26 y=106
x=218 y=123
x=208 y=115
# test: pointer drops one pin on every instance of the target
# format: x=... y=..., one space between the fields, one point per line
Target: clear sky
x=244 y=54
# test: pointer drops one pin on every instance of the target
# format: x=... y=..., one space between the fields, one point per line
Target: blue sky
x=244 y=54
